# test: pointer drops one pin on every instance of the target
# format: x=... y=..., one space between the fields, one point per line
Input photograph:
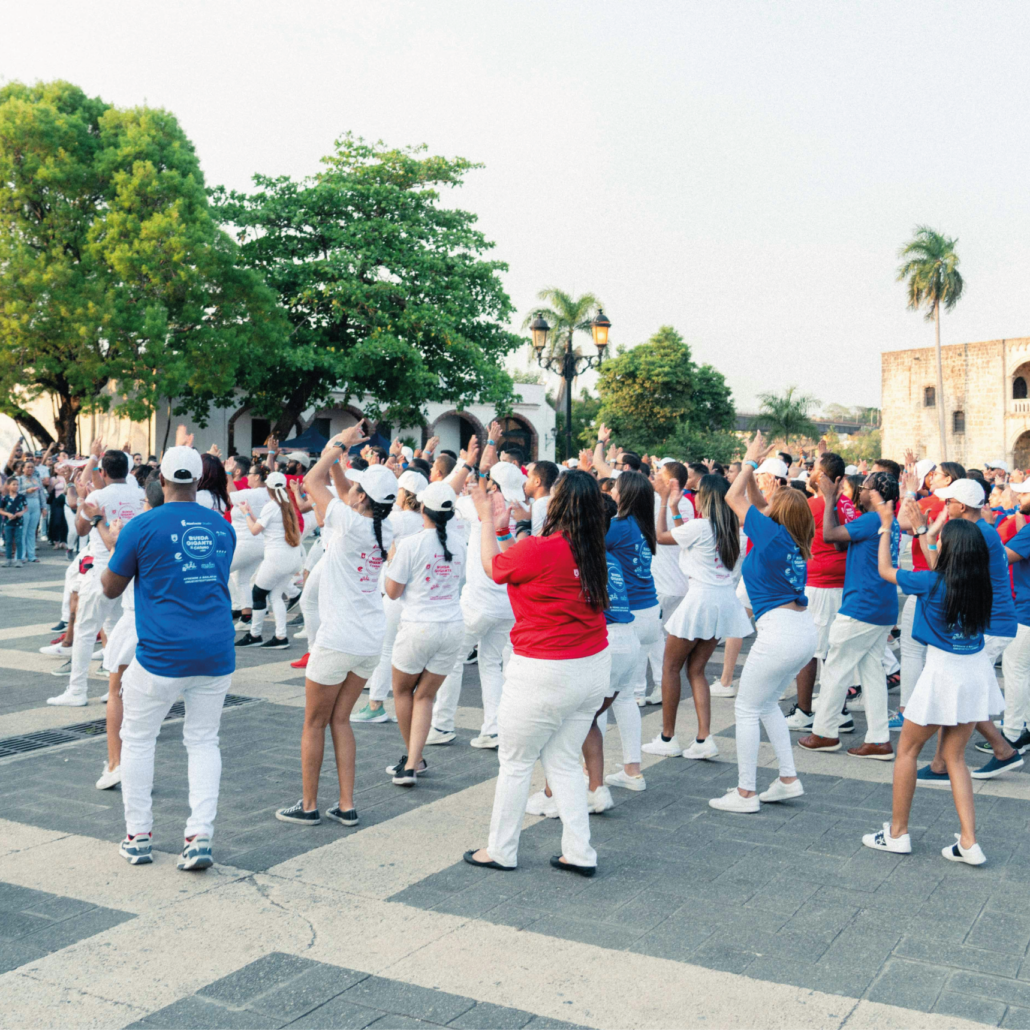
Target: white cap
x=377 y=481
x=275 y=481
x=510 y=479
x=408 y=453
x=300 y=456
x=572 y=463
x=180 y=465
x=851 y=470
x=803 y=476
x=999 y=464
x=412 y=481
x=1020 y=488
x=773 y=467
x=438 y=497
x=966 y=491
x=924 y=468
x=665 y=461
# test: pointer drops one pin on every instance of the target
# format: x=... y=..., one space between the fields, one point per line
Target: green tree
x=385 y=289
x=566 y=315
x=931 y=270
x=786 y=415
x=114 y=272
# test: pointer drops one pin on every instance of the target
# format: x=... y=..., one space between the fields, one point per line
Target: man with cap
x=179 y=555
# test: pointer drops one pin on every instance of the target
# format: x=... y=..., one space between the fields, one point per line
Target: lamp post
x=566 y=363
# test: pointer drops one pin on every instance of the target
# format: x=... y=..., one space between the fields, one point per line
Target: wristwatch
x=921 y=530
x=96 y=520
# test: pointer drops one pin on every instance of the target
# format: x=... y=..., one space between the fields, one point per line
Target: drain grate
x=42 y=739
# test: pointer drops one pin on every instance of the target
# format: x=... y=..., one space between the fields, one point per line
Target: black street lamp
x=566 y=363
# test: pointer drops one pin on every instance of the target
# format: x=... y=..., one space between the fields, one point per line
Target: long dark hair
x=214 y=479
x=636 y=499
x=379 y=512
x=962 y=569
x=440 y=520
x=577 y=512
x=711 y=501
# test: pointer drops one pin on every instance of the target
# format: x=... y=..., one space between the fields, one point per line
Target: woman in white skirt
x=775 y=574
x=709 y=548
x=957 y=687
x=425 y=573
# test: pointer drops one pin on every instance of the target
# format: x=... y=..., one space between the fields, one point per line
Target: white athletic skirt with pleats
x=954 y=689
x=707 y=612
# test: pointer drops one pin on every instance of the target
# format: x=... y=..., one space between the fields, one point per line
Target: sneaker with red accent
x=301 y=663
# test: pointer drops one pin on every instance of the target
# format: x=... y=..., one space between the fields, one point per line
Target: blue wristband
x=753 y=464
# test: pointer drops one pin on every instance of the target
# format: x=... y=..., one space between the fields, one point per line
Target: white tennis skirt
x=707 y=612
x=121 y=644
x=954 y=689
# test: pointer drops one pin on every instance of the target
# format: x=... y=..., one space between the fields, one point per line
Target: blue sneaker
x=995 y=767
x=196 y=854
x=897 y=720
x=927 y=775
x=135 y=849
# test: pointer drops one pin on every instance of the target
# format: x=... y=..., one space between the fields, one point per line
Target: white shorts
x=432 y=646
x=121 y=644
x=330 y=667
x=823 y=603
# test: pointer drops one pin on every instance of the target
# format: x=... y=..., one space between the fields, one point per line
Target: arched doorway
x=1021 y=451
x=517 y=432
x=455 y=429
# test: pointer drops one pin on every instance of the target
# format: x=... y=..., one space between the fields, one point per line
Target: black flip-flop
x=583 y=870
x=469 y=857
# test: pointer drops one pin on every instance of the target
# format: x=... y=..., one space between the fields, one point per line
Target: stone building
x=987 y=408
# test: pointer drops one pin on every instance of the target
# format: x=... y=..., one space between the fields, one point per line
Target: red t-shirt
x=931 y=507
x=827 y=564
x=240 y=484
x=552 y=618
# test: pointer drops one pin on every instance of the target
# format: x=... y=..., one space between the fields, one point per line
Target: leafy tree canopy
x=786 y=416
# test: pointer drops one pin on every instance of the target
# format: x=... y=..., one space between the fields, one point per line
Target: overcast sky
x=742 y=171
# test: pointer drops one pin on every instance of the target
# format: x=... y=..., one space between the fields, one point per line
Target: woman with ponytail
x=250 y=549
x=350 y=634
x=425 y=573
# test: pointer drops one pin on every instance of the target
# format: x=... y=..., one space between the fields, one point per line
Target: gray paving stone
x=603 y=935
x=676 y=941
x=194 y=1013
x=396 y=997
x=996 y=988
x=913 y=985
x=1007 y=932
x=307 y=991
x=392 y=1022
x=14 y=954
x=256 y=978
x=484 y=1016
x=17 y=924
x=976 y=960
x=1016 y=1018
x=545 y=1023
x=721 y=951
x=61 y=934
x=822 y=917
x=339 y=1014
x=965 y=1006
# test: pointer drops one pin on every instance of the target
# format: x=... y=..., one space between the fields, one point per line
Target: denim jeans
x=13 y=537
x=31 y=520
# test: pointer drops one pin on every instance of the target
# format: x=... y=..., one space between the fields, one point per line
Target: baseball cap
x=1020 y=488
x=300 y=456
x=774 y=467
x=851 y=470
x=377 y=481
x=275 y=481
x=966 y=491
x=181 y=465
x=924 y=468
x=665 y=461
x=438 y=497
x=408 y=453
x=999 y=464
x=412 y=481
x=510 y=479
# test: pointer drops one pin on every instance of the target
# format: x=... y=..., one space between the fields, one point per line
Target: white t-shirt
x=208 y=500
x=669 y=580
x=350 y=606
x=117 y=501
x=432 y=584
x=405 y=523
x=699 y=558
x=539 y=513
x=274 y=532
x=481 y=593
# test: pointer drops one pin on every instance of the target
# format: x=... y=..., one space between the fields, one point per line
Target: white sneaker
x=440 y=736
x=669 y=748
x=484 y=740
x=718 y=689
x=956 y=853
x=58 y=650
x=883 y=841
x=621 y=779
x=98 y=655
x=799 y=722
x=301 y=634
x=541 y=804
x=106 y=698
x=68 y=700
x=780 y=791
x=734 y=801
x=654 y=698
x=707 y=748
x=109 y=777
x=599 y=800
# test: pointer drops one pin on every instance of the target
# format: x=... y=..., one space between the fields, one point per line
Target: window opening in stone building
x=1019 y=389
x=958 y=422
x=929 y=396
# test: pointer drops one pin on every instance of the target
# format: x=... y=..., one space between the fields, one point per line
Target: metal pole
x=569 y=374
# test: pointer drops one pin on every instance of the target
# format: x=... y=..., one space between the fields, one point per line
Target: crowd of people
x=566 y=584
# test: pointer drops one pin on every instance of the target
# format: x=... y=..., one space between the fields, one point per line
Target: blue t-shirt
x=1020 y=543
x=180 y=554
x=1003 y=610
x=775 y=571
x=867 y=597
x=929 y=626
x=618 y=609
x=627 y=543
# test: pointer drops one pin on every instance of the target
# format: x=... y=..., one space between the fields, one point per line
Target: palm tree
x=786 y=416
x=567 y=315
x=931 y=268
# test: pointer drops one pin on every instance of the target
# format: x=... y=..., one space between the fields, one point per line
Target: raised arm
x=833 y=533
x=490 y=452
x=884 y=565
x=663 y=487
x=466 y=464
x=738 y=497
x=316 y=482
x=604 y=435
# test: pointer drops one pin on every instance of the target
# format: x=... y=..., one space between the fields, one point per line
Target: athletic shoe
x=473 y=656
x=276 y=644
x=599 y=800
x=300 y=663
x=883 y=841
x=926 y=775
x=894 y=681
x=242 y=626
x=292 y=602
x=897 y=720
x=669 y=748
x=541 y=804
x=847 y=724
x=854 y=700
x=621 y=779
x=109 y=777
x=370 y=714
x=487 y=741
x=300 y=634
x=60 y=627
x=97 y=655
x=135 y=849
x=813 y=742
x=706 y=748
x=440 y=736
x=405 y=777
x=996 y=766
x=58 y=650
x=236 y=613
x=398 y=767
x=654 y=698
x=877 y=752
x=106 y=697
x=1022 y=742
x=780 y=791
x=248 y=641
x=956 y=853
x=719 y=689
x=296 y=814
x=799 y=720
x=62 y=670
x=348 y=818
x=733 y=801
x=67 y=699
x=196 y=855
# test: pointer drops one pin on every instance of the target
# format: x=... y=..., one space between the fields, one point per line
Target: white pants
x=889 y=660
x=854 y=645
x=546 y=710
x=147 y=698
x=625 y=660
x=382 y=679
x=274 y=573
x=647 y=623
x=786 y=641
x=491 y=636
x=656 y=652
x=309 y=604
x=71 y=585
x=95 y=611
x=1015 y=667
x=913 y=654
x=245 y=561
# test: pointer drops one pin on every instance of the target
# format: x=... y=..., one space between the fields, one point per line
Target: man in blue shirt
x=179 y=555
x=869 y=608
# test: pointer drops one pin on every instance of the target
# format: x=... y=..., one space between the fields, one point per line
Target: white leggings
x=274 y=574
x=785 y=643
x=913 y=654
x=245 y=561
x=626 y=653
x=381 y=683
x=647 y=623
x=309 y=604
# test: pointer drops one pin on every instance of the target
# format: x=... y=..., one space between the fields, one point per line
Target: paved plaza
x=695 y=918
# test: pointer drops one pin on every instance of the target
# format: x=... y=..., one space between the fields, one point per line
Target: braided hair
x=379 y=512
x=440 y=520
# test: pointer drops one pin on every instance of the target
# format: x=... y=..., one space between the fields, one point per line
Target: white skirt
x=708 y=612
x=121 y=644
x=954 y=689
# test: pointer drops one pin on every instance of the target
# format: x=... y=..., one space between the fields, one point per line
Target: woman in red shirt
x=558 y=675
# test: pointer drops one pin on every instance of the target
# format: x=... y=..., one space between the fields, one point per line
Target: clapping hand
x=182 y=438
x=484 y=506
x=586 y=461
